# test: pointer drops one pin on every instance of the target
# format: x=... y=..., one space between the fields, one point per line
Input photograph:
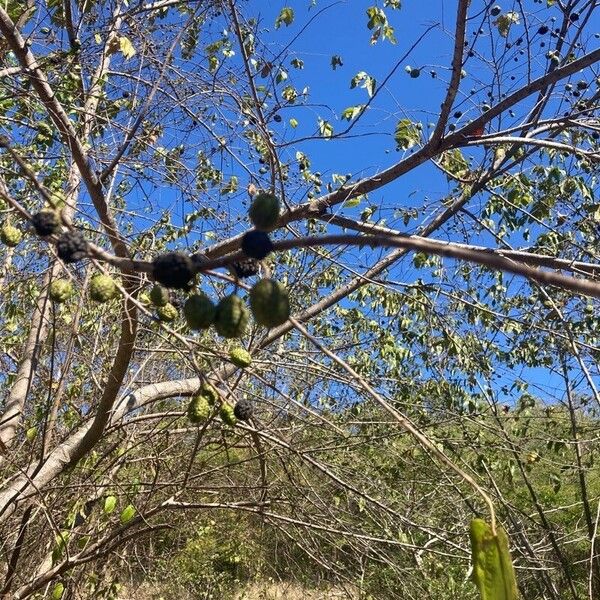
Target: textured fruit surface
x=60 y=290
x=10 y=235
x=231 y=317
x=167 y=312
x=46 y=222
x=71 y=246
x=173 y=270
x=209 y=392
x=159 y=296
x=256 y=244
x=244 y=410
x=264 y=211
x=245 y=268
x=198 y=410
x=102 y=288
x=240 y=357
x=269 y=303
x=199 y=311
x=227 y=415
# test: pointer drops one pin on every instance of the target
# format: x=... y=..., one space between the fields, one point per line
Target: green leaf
x=58 y=591
x=406 y=134
x=286 y=16
x=336 y=61
x=325 y=128
x=127 y=514
x=493 y=572
x=365 y=81
x=352 y=112
x=352 y=202
x=110 y=504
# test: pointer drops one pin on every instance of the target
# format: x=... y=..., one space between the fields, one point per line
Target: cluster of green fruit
x=269 y=304
x=102 y=289
x=204 y=404
x=269 y=301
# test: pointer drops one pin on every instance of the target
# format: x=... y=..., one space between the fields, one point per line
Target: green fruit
x=167 y=312
x=199 y=311
x=210 y=393
x=31 y=434
x=110 y=504
x=102 y=288
x=240 y=357
x=58 y=591
x=231 y=317
x=60 y=290
x=10 y=236
x=227 y=415
x=159 y=296
x=270 y=303
x=127 y=514
x=264 y=211
x=199 y=409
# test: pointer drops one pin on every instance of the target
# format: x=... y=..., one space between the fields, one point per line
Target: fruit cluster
x=203 y=406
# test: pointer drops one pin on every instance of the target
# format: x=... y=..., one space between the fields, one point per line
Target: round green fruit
x=231 y=317
x=60 y=290
x=102 y=288
x=227 y=415
x=167 y=312
x=159 y=296
x=264 y=211
x=199 y=311
x=10 y=236
x=199 y=409
x=240 y=357
x=210 y=393
x=270 y=303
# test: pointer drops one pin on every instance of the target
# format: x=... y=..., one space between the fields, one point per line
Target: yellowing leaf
x=504 y=22
x=126 y=47
x=493 y=572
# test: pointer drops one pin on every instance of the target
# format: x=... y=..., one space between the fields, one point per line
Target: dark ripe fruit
x=582 y=85
x=227 y=415
x=60 y=290
x=256 y=244
x=231 y=318
x=198 y=409
x=277 y=118
x=495 y=10
x=10 y=235
x=574 y=17
x=269 y=302
x=167 y=312
x=245 y=268
x=240 y=357
x=243 y=410
x=543 y=30
x=102 y=288
x=415 y=73
x=264 y=211
x=173 y=270
x=199 y=311
x=46 y=222
x=71 y=246
x=159 y=296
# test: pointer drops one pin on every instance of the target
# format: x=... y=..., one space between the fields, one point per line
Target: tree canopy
x=299 y=294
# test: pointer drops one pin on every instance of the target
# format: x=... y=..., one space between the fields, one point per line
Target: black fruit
x=270 y=303
x=173 y=270
x=71 y=246
x=495 y=11
x=264 y=211
x=243 y=410
x=245 y=268
x=45 y=223
x=256 y=244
